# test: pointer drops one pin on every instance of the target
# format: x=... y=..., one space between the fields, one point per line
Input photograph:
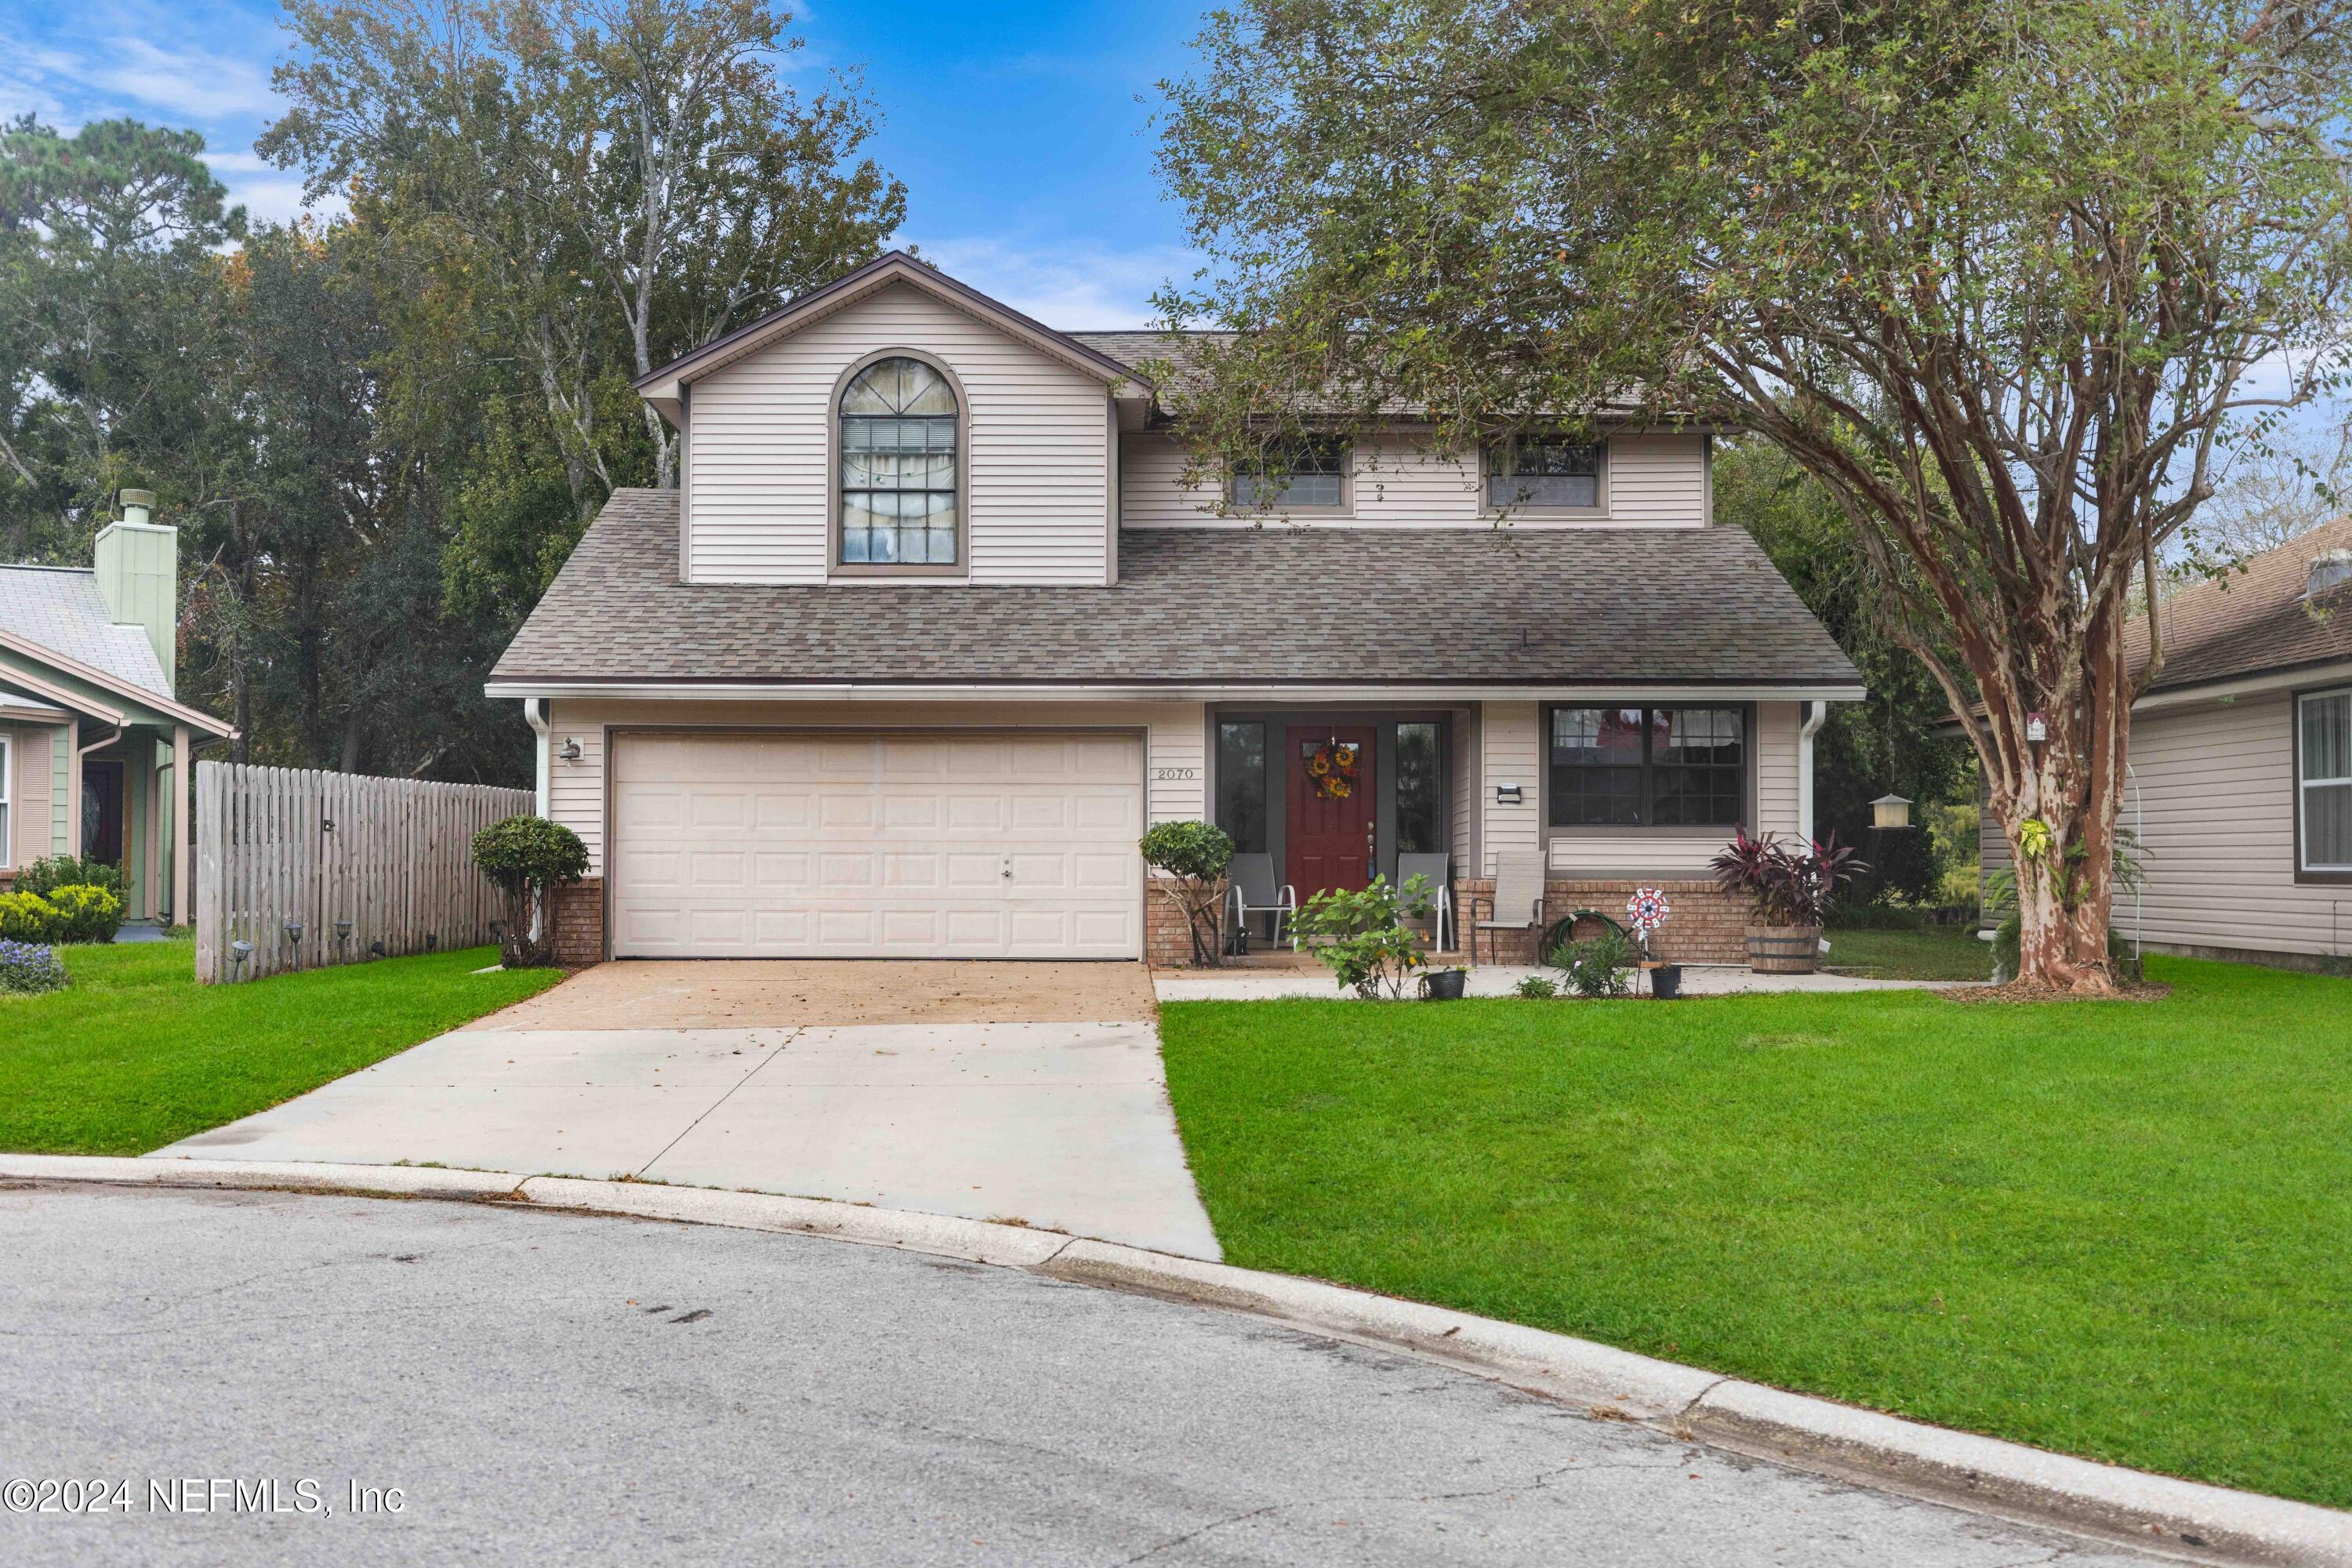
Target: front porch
x=1596 y=795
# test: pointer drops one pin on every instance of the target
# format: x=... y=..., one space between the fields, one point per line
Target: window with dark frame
x=2324 y=783
x=1420 y=791
x=1241 y=783
x=1648 y=767
x=1315 y=475
x=1544 y=475
x=899 y=491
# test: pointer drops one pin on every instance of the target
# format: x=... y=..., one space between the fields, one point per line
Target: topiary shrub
x=524 y=857
x=1194 y=855
x=29 y=917
x=27 y=967
x=85 y=913
x=51 y=872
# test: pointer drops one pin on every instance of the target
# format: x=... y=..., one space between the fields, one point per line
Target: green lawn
x=1940 y=952
x=2122 y=1229
x=134 y=1054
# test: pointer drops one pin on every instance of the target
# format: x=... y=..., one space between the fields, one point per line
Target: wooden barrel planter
x=1784 y=950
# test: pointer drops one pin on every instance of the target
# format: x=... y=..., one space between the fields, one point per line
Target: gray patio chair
x=1250 y=890
x=1439 y=869
x=1516 y=904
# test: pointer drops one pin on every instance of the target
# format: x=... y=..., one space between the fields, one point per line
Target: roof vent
x=2329 y=569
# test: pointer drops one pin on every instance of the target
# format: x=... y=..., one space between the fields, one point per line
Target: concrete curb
x=2160 y=1512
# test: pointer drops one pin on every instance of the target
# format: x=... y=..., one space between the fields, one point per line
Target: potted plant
x=1787 y=895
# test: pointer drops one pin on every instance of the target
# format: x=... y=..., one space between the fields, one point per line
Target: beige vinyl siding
x=29 y=752
x=1684 y=852
x=1175 y=761
x=1654 y=481
x=1992 y=846
x=1658 y=480
x=1037 y=464
x=2215 y=798
x=1510 y=751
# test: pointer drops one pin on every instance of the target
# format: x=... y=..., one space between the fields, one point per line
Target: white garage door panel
x=1017 y=846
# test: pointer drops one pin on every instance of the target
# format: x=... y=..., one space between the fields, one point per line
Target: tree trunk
x=2058 y=802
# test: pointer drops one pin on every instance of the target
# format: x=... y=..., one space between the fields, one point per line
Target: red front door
x=1329 y=826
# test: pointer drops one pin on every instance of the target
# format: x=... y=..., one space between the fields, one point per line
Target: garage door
x=1019 y=845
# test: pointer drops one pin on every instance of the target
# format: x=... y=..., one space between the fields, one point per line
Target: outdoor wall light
x=294 y=931
x=571 y=749
x=1890 y=811
x=1508 y=795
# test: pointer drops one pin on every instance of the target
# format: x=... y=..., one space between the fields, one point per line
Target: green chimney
x=138 y=576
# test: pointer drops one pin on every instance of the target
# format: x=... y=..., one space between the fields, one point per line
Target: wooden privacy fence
x=306 y=868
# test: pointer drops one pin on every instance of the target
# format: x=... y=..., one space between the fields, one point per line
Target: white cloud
x=189 y=80
x=1071 y=287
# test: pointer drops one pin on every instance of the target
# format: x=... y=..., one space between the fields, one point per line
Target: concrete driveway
x=1029 y=1092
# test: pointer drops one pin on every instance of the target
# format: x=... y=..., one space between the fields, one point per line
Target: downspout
x=537 y=719
x=1815 y=713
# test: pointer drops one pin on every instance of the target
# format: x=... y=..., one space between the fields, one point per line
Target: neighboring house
x=94 y=746
x=2240 y=764
x=932 y=629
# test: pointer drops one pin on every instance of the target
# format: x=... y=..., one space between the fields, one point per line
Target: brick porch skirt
x=1706 y=926
x=579 y=914
x=1167 y=936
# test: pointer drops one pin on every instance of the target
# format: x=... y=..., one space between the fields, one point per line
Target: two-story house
x=932 y=628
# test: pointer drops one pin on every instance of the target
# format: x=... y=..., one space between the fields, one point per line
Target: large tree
x=1997 y=273
x=624 y=180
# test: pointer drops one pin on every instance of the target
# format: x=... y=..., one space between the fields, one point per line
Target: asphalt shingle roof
x=1193 y=606
x=59 y=608
x=2250 y=621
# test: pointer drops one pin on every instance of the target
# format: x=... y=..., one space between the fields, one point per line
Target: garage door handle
x=1006 y=869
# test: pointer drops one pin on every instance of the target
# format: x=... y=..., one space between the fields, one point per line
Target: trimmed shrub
x=51 y=872
x=524 y=857
x=29 y=917
x=85 y=913
x=27 y=967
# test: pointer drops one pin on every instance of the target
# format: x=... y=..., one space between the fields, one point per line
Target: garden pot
x=1665 y=981
x=1784 y=950
x=1444 y=985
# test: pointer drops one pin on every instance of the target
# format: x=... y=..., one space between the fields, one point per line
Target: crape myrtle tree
x=2007 y=277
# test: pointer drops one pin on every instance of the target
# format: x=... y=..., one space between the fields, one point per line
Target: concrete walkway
x=1059 y=1123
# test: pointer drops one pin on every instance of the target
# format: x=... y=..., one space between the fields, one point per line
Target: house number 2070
x=1175 y=773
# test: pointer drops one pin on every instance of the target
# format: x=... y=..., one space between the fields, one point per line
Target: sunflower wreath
x=1332 y=771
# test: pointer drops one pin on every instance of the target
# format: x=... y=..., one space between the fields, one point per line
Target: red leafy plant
x=1786 y=887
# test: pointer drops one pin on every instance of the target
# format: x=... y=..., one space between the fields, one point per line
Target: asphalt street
x=268 y=1378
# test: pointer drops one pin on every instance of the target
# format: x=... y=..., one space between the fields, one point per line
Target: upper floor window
x=1649 y=767
x=1315 y=477
x=2323 y=782
x=900 y=427
x=1543 y=475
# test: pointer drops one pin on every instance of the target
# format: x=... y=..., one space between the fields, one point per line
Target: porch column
x=183 y=825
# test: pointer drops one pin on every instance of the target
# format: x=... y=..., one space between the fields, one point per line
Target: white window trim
x=7 y=801
x=2304 y=784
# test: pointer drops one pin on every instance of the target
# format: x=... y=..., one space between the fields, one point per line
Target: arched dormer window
x=900 y=476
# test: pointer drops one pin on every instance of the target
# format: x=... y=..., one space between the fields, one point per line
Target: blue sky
x=1022 y=131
